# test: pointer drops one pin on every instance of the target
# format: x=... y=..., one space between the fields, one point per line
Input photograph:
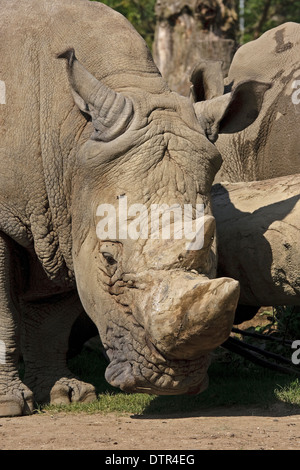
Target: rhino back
x=39 y=124
x=268 y=148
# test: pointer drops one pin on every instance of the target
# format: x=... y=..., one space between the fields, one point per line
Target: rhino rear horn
x=111 y=112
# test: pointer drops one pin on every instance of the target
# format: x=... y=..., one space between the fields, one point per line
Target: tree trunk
x=188 y=31
x=258 y=230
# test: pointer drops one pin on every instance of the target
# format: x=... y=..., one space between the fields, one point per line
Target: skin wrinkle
x=54 y=259
x=135 y=170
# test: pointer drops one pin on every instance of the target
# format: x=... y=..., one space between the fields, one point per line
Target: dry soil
x=217 y=429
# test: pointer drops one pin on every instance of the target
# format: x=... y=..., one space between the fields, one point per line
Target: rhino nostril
x=109 y=258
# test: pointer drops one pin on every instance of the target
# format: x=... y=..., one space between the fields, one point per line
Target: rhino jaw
x=167 y=377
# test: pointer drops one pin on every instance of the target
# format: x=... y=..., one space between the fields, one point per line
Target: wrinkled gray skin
x=268 y=148
x=76 y=134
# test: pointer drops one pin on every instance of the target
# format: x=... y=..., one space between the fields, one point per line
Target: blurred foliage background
x=257 y=15
x=261 y=15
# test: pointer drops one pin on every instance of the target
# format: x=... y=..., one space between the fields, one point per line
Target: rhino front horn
x=111 y=112
x=192 y=317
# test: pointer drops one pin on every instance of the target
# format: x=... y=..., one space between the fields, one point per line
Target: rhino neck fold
x=52 y=224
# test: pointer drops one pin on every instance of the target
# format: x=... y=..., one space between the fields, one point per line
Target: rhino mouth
x=140 y=368
x=152 y=380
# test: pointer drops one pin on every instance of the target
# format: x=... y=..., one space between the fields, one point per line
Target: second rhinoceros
x=269 y=147
x=106 y=131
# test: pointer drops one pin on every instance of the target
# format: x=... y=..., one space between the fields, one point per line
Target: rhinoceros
x=269 y=147
x=88 y=124
x=266 y=150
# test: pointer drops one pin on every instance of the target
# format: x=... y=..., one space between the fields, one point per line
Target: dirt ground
x=232 y=428
x=216 y=429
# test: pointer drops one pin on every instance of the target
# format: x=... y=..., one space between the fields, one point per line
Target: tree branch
x=263 y=19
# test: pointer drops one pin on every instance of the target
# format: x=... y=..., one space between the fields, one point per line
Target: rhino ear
x=207 y=80
x=111 y=112
x=233 y=111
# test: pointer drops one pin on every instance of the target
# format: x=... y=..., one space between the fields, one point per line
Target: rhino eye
x=109 y=258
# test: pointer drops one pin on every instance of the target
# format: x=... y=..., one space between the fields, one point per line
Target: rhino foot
x=68 y=390
x=16 y=400
x=60 y=388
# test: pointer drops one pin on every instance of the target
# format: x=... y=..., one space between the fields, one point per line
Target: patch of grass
x=289 y=393
x=233 y=382
x=119 y=403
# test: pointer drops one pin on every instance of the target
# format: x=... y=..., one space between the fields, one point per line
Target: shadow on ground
x=236 y=386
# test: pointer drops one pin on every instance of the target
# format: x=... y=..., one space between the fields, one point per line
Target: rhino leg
x=15 y=398
x=45 y=335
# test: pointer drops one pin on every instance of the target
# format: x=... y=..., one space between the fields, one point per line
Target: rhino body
x=87 y=120
x=269 y=148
